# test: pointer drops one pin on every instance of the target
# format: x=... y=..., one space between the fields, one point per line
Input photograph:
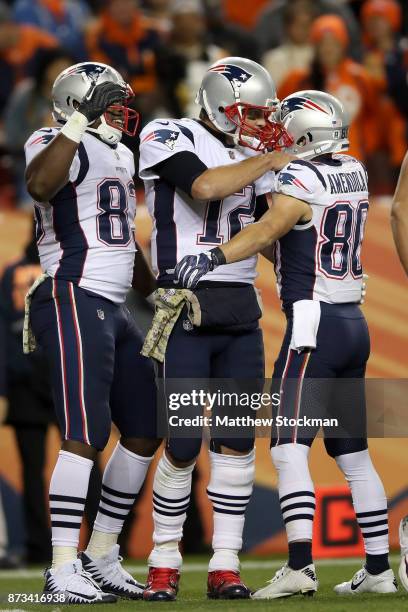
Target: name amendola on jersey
x=321 y=259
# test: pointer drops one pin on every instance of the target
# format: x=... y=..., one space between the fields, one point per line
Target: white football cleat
x=287 y=582
x=77 y=586
x=403 y=537
x=363 y=582
x=110 y=576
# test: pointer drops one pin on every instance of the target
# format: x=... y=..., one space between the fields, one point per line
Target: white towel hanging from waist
x=306 y=319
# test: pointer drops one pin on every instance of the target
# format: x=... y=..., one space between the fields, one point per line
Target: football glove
x=192 y=268
x=98 y=98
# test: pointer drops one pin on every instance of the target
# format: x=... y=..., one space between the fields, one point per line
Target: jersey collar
x=223 y=138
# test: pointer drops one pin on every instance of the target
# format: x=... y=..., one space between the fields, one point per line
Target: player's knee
x=232 y=446
x=290 y=456
x=344 y=446
x=183 y=451
x=80 y=448
x=145 y=447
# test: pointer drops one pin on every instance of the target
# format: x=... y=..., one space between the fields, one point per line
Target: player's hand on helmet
x=192 y=268
x=280 y=159
x=98 y=98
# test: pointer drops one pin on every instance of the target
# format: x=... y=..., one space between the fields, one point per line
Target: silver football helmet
x=316 y=121
x=230 y=91
x=71 y=86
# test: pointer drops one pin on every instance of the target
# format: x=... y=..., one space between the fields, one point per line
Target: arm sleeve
x=261 y=206
x=181 y=170
x=40 y=139
x=301 y=180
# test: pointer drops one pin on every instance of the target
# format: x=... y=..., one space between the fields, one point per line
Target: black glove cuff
x=217 y=257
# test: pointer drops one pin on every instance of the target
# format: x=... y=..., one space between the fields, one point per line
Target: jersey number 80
x=341 y=235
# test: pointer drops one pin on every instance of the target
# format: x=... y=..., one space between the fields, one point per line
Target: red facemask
x=128 y=116
x=272 y=136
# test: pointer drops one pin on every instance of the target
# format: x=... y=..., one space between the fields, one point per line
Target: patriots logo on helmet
x=167 y=137
x=298 y=103
x=285 y=178
x=93 y=71
x=236 y=75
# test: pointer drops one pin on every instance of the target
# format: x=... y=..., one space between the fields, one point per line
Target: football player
x=399 y=215
x=81 y=178
x=202 y=184
x=317 y=224
x=403 y=567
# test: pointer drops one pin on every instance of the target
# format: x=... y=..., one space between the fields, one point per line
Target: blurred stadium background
x=356 y=50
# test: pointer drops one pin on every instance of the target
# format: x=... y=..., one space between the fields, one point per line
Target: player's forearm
x=218 y=183
x=144 y=281
x=48 y=172
x=399 y=224
x=399 y=215
x=250 y=241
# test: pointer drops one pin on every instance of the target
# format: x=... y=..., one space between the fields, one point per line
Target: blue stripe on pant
x=98 y=374
x=341 y=354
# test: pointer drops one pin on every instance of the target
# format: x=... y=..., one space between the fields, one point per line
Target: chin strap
x=108 y=134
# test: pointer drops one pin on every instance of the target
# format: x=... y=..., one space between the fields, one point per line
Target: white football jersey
x=184 y=226
x=321 y=260
x=85 y=233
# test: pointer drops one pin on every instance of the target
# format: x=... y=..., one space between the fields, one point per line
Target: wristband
x=75 y=127
x=217 y=257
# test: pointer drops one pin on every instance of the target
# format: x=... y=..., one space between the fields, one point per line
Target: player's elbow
x=37 y=187
x=202 y=188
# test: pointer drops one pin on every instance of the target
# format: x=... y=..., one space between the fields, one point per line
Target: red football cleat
x=226 y=584
x=162 y=584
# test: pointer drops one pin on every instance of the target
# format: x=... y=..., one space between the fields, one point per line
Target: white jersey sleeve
x=265 y=184
x=40 y=139
x=160 y=140
x=301 y=180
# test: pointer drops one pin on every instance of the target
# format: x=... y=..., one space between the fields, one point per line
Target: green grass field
x=255 y=572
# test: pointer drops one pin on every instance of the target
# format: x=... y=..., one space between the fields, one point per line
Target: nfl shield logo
x=101 y=314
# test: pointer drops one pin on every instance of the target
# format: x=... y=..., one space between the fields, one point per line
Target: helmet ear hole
x=221 y=109
x=301 y=141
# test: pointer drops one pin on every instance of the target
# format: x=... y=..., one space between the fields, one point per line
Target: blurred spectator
x=230 y=36
x=183 y=61
x=24 y=382
x=382 y=21
x=18 y=45
x=296 y=52
x=64 y=19
x=270 y=27
x=29 y=108
x=122 y=38
x=242 y=12
x=331 y=70
x=158 y=16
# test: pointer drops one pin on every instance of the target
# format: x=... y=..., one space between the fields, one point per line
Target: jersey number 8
x=341 y=235
x=112 y=222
